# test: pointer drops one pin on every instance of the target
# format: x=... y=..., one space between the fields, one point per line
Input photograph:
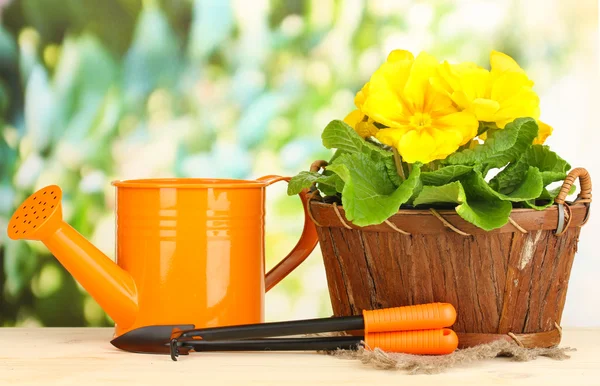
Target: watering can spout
x=39 y=217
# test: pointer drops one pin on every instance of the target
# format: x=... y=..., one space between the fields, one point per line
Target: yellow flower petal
x=508 y=85
x=461 y=99
x=465 y=66
x=475 y=83
x=544 y=132
x=366 y=128
x=386 y=108
x=484 y=109
x=353 y=118
x=428 y=145
x=501 y=95
x=384 y=102
x=397 y=55
x=526 y=106
x=448 y=78
x=391 y=75
x=501 y=62
x=418 y=87
x=462 y=122
x=446 y=141
x=390 y=137
x=361 y=96
x=416 y=146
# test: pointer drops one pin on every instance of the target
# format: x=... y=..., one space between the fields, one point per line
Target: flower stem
x=398 y=162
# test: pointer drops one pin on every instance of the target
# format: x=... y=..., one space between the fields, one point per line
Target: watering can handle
x=306 y=244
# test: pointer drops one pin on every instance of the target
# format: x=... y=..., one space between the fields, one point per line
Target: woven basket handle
x=585 y=195
x=318 y=165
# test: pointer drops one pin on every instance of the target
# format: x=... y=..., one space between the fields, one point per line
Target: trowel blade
x=149 y=339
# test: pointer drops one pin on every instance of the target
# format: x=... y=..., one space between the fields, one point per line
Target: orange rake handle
x=423 y=342
x=419 y=317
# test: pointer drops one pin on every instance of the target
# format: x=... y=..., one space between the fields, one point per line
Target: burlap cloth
x=433 y=364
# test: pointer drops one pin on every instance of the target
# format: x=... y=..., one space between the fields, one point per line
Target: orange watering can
x=189 y=251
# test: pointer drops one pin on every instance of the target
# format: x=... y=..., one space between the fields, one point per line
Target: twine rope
x=517 y=340
x=311 y=197
x=394 y=227
x=559 y=328
x=447 y=224
x=339 y=216
x=516 y=225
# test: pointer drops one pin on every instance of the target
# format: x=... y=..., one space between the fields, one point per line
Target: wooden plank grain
x=84 y=356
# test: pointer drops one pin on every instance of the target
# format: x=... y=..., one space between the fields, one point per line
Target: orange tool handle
x=419 y=317
x=422 y=342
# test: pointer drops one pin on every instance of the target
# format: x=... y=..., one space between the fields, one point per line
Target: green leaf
x=501 y=146
x=552 y=193
x=337 y=134
x=335 y=155
x=392 y=171
x=326 y=183
x=416 y=191
x=484 y=208
x=530 y=187
x=344 y=138
x=539 y=205
x=475 y=203
x=452 y=192
x=546 y=199
x=552 y=168
x=330 y=183
x=369 y=196
x=301 y=181
x=445 y=175
x=485 y=126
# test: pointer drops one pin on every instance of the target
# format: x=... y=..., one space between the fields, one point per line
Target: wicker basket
x=508 y=284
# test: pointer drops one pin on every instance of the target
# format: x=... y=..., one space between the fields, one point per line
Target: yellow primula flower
x=422 y=123
x=544 y=132
x=364 y=127
x=501 y=95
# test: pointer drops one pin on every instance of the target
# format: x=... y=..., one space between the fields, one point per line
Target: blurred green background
x=97 y=90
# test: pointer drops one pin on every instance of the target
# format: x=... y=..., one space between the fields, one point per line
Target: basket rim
x=422 y=221
x=415 y=211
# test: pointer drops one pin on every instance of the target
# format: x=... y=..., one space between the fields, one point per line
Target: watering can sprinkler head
x=39 y=217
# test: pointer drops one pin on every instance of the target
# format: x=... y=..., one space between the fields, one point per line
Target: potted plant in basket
x=440 y=190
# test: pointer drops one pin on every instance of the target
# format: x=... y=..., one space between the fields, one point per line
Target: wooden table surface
x=84 y=356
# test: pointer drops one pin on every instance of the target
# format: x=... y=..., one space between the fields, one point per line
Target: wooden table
x=84 y=356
